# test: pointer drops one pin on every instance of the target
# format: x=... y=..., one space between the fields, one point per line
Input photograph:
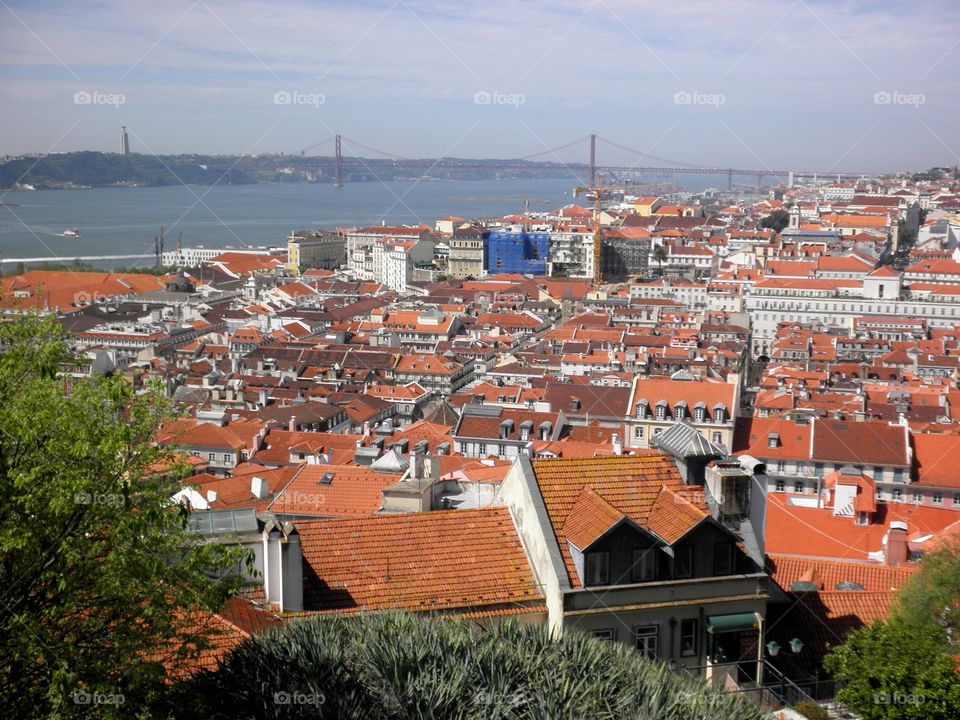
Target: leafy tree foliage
x=399 y=665
x=907 y=667
x=96 y=566
x=776 y=221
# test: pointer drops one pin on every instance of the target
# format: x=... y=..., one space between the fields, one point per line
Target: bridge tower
x=729 y=180
x=593 y=161
x=337 y=163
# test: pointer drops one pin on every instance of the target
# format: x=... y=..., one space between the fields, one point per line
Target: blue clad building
x=524 y=253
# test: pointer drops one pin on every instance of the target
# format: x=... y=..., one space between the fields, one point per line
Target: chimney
x=417 y=473
x=211 y=496
x=617 y=445
x=292 y=425
x=575 y=405
x=366 y=428
x=258 y=487
x=896 y=550
x=283 y=567
x=263 y=397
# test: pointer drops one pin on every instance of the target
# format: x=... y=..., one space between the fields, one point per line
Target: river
x=124 y=221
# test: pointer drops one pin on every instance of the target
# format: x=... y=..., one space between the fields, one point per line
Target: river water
x=124 y=221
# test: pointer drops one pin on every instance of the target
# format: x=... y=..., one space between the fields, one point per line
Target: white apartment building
x=394 y=262
x=839 y=302
x=196 y=256
x=571 y=254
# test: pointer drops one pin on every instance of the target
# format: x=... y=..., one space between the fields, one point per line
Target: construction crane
x=526 y=210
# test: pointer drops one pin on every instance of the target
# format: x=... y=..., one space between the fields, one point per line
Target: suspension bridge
x=340 y=164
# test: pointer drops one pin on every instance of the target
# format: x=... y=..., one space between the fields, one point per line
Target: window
x=781 y=486
x=781 y=466
x=718 y=415
x=638 y=433
x=723 y=558
x=657 y=431
x=605 y=634
x=689 y=632
x=956 y=500
x=861 y=518
x=683 y=562
x=646 y=640
x=699 y=414
x=661 y=412
x=211 y=457
x=897 y=495
x=598 y=568
x=798 y=487
x=644 y=564
x=716 y=437
x=938 y=498
x=679 y=411
x=918 y=498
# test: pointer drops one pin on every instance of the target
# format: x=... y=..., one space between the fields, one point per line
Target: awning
x=732 y=623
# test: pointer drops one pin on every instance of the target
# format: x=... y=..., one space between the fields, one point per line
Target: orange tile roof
x=590 y=518
x=631 y=484
x=936 y=457
x=785 y=570
x=352 y=491
x=673 y=515
x=442 y=560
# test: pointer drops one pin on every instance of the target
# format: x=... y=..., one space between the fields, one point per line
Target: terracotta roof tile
x=630 y=484
x=590 y=518
x=441 y=560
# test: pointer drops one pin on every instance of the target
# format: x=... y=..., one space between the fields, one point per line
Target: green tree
x=660 y=256
x=776 y=221
x=97 y=569
x=906 y=667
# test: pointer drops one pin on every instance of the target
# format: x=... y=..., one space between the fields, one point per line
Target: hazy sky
x=810 y=84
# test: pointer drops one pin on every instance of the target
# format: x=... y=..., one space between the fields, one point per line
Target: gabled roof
x=590 y=518
x=673 y=516
x=629 y=485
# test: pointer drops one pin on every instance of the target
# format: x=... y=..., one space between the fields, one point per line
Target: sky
x=832 y=86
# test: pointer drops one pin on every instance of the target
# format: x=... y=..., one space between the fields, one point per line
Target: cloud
x=797 y=76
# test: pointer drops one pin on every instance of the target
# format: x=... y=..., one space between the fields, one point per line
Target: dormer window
x=773 y=440
x=661 y=410
x=642 y=410
x=680 y=410
x=700 y=413
x=525 y=428
x=719 y=412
